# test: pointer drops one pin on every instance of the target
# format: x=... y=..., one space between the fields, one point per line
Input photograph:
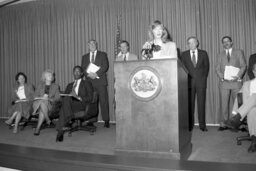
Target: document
x=21 y=100
x=70 y=95
x=230 y=72
x=92 y=68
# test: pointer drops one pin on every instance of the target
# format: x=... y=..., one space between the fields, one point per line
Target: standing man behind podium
x=197 y=63
x=124 y=54
x=99 y=78
x=229 y=88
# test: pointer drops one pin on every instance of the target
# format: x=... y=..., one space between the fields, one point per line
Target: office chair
x=244 y=126
x=91 y=111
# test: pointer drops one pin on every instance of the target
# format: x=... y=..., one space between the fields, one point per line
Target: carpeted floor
x=207 y=146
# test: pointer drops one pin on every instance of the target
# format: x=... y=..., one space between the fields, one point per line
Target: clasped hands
x=92 y=75
x=234 y=79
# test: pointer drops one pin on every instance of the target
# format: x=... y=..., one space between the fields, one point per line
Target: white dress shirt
x=196 y=54
x=77 y=85
x=95 y=53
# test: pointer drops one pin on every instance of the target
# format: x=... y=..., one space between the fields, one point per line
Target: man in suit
x=197 y=63
x=124 y=54
x=229 y=88
x=248 y=108
x=79 y=93
x=99 y=78
x=252 y=61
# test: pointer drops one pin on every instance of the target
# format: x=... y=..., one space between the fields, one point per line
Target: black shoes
x=204 y=129
x=222 y=128
x=234 y=122
x=37 y=132
x=252 y=147
x=107 y=125
x=60 y=136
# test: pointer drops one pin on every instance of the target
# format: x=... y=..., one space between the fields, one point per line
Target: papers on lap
x=21 y=100
x=70 y=95
x=230 y=72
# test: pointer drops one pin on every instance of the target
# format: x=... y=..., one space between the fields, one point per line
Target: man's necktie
x=194 y=58
x=92 y=60
x=124 y=57
x=228 y=56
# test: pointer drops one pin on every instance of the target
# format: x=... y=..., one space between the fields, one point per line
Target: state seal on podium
x=145 y=83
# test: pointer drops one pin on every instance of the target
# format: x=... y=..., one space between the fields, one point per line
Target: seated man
x=77 y=95
x=248 y=108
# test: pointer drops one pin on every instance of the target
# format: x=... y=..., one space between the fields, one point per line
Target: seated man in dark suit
x=77 y=95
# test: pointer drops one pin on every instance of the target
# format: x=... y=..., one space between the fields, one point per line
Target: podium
x=151 y=100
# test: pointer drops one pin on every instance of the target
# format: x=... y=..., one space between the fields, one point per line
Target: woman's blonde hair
x=165 y=37
x=47 y=71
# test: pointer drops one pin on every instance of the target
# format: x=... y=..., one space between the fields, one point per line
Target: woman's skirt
x=44 y=104
x=25 y=108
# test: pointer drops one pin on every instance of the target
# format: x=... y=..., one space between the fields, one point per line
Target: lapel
x=189 y=59
x=79 y=88
x=199 y=57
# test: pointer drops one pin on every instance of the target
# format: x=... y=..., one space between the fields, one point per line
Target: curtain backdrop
x=54 y=34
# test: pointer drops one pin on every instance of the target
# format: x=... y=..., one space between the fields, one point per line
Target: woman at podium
x=159 y=45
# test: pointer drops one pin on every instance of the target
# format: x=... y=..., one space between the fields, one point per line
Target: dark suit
x=71 y=105
x=197 y=83
x=99 y=84
x=252 y=61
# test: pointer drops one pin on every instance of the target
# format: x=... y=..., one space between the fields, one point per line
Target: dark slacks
x=200 y=93
x=68 y=108
x=103 y=100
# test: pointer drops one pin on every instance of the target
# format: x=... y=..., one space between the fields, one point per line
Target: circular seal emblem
x=144 y=83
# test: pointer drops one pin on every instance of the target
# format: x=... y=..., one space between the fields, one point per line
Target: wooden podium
x=152 y=109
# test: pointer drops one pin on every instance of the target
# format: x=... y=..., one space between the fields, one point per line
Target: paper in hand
x=230 y=72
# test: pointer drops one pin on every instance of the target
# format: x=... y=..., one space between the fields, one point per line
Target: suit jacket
x=101 y=61
x=131 y=57
x=54 y=92
x=197 y=76
x=252 y=61
x=85 y=91
x=29 y=92
x=237 y=59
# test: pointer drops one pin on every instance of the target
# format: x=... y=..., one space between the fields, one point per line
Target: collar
x=196 y=51
x=120 y=54
x=78 y=81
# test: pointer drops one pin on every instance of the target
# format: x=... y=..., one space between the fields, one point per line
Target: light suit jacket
x=237 y=59
x=131 y=57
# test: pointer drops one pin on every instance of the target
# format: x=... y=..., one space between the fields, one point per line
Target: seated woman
x=22 y=97
x=47 y=94
x=159 y=45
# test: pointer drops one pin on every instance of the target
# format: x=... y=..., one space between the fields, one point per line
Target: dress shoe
x=204 y=129
x=252 y=147
x=37 y=132
x=60 y=136
x=234 y=121
x=106 y=124
x=222 y=128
